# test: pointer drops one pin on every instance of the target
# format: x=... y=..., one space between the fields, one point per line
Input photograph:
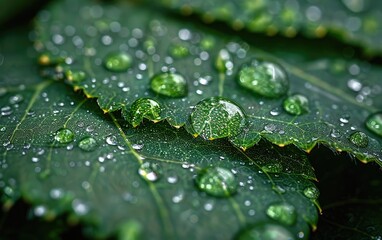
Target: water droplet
x=39 y=211
x=118 y=61
x=311 y=192
x=75 y=76
x=64 y=135
x=218 y=182
x=264 y=78
x=144 y=108
x=374 y=123
x=169 y=84
x=265 y=231
x=149 y=171
x=296 y=104
x=111 y=140
x=217 y=117
x=354 y=85
x=137 y=146
x=283 y=213
x=179 y=51
x=272 y=168
x=16 y=99
x=359 y=139
x=356 y=5
x=224 y=62
x=79 y=207
x=88 y=144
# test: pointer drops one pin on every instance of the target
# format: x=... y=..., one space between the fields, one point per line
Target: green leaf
x=138 y=181
x=352 y=21
x=328 y=96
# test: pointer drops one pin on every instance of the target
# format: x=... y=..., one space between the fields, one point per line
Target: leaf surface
x=341 y=93
x=354 y=22
x=134 y=181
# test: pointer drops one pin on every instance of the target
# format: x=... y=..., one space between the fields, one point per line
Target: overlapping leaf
x=342 y=93
x=352 y=21
x=134 y=181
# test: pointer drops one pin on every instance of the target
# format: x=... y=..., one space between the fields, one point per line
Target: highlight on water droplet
x=265 y=231
x=144 y=108
x=118 y=61
x=267 y=79
x=75 y=76
x=64 y=135
x=359 y=139
x=88 y=144
x=374 y=123
x=149 y=171
x=217 y=117
x=217 y=182
x=284 y=213
x=311 y=192
x=296 y=104
x=169 y=85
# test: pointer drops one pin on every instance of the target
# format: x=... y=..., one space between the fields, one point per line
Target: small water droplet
x=16 y=99
x=283 y=213
x=118 y=61
x=296 y=104
x=75 y=76
x=39 y=211
x=88 y=144
x=334 y=133
x=144 y=108
x=79 y=207
x=137 y=146
x=264 y=78
x=374 y=123
x=265 y=231
x=149 y=171
x=272 y=168
x=311 y=192
x=224 y=62
x=275 y=112
x=111 y=140
x=217 y=117
x=359 y=139
x=169 y=84
x=64 y=135
x=218 y=182
x=354 y=85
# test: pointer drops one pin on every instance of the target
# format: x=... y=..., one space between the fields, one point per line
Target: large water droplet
x=88 y=144
x=374 y=123
x=117 y=61
x=218 y=182
x=283 y=213
x=149 y=171
x=359 y=139
x=169 y=84
x=266 y=231
x=144 y=108
x=64 y=135
x=217 y=117
x=311 y=192
x=75 y=76
x=296 y=104
x=265 y=78
x=223 y=61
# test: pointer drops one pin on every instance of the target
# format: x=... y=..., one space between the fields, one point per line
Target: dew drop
x=356 y=6
x=264 y=78
x=311 y=192
x=64 y=135
x=169 y=85
x=218 y=182
x=217 y=117
x=117 y=61
x=224 y=62
x=265 y=231
x=144 y=108
x=284 y=213
x=16 y=99
x=111 y=140
x=296 y=104
x=39 y=211
x=75 y=76
x=149 y=171
x=374 y=123
x=272 y=168
x=359 y=139
x=88 y=144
